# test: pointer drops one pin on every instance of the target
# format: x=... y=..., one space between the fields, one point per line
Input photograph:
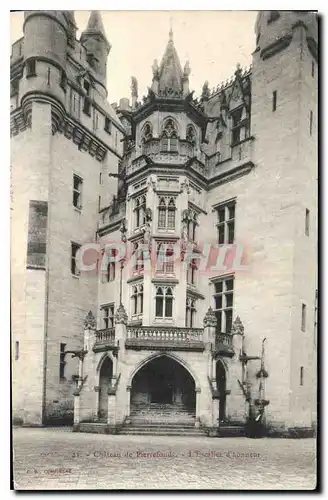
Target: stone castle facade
x=164 y=251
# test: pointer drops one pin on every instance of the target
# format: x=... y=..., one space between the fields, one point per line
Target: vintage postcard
x=164 y=280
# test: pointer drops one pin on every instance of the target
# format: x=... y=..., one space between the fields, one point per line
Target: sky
x=213 y=42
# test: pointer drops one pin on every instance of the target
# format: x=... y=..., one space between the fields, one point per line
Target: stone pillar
x=216 y=411
x=209 y=323
x=76 y=408
x=128 y=394
x=121 y=319
x=197 y=421
x=111 y=419
x=236 y=404
x=84 y=399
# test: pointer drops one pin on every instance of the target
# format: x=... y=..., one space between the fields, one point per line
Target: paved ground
x=60 y=459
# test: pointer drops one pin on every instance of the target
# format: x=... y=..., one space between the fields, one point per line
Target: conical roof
x=170 y=70
x=95 y=26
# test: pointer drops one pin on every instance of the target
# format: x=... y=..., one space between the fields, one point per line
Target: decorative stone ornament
x=123 y=231
x=90 y=322
x=121 y=316
x=237 y=327
x=210 y=318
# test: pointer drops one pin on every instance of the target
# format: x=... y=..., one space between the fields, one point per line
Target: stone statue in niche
x=185 y=186
x=155 y=69
x=134 y=86
x=123 y=230
x=184 y=233
x=152 y=183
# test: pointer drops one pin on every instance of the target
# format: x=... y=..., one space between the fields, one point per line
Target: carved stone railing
x=114 y=212
x=240 y=154
x=152 y=152
x=223 y=344
x=148 y=337
x=105 y=339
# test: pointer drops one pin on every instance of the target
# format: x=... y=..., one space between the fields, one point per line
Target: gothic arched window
x=164 y=302
x=169 y=136
x=140 y=211
x=139 y=259
x=190 y=312
x=166 y=213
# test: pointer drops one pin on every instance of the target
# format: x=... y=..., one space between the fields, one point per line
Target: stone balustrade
x=111 y=214
x=148 y=337
x=105 y=340
x=223 y=344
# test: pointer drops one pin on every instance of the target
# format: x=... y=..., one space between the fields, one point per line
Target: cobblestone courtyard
x=60 y=459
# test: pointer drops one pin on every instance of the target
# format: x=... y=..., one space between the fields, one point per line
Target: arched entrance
x=163 y=390
x=105 y=376
x=221 y=385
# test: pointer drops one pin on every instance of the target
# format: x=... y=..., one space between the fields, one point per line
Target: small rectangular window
x=62 y=362
x=77 y=191
x=30 y=68
x=108 y=125
x=223 y=304
x=307 y=222
x=86 y=86
x=16 y=350
x=312 y=69
x=303 y=322
x=311 y=122
x=74 y=268
x=226 y=223
x=63 y=81
x=274 y=100
x=87 y=106
x=302 y=375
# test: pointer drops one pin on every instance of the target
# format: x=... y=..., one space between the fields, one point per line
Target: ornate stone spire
x=237 y=327
x=210 y=318
x=170 y=72
x=121 y=316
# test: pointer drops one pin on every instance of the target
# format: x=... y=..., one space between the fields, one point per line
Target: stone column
x=209 y=323
x=111 y=418
x=84 y=399
x=121 y=319
x=236 y=404
x=128 y=393
x=197 y=421
x=76 y=409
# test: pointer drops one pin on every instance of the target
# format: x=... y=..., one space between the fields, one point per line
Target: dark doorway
x=221 y=384
x=163 y=381
x=105 y=376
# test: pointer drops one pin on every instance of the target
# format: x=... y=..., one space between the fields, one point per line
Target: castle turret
x=47 y=35
x=97 y=46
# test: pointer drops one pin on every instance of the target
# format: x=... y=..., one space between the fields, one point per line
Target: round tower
x=272 y=25
x=46 y=38
x=97 y=47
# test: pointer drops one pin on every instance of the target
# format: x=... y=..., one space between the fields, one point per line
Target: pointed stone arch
x=101 y=361
x=170 y=355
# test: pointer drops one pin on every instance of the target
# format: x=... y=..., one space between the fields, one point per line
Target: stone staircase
x=156 y=419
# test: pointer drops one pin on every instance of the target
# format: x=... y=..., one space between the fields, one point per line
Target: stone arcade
x=202 y=285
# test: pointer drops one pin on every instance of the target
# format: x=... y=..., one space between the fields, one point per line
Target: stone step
x=162 y=431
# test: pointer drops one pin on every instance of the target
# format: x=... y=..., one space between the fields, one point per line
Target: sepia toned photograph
x=164 y=250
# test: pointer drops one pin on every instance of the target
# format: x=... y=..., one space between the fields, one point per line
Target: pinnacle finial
x=171 y=31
